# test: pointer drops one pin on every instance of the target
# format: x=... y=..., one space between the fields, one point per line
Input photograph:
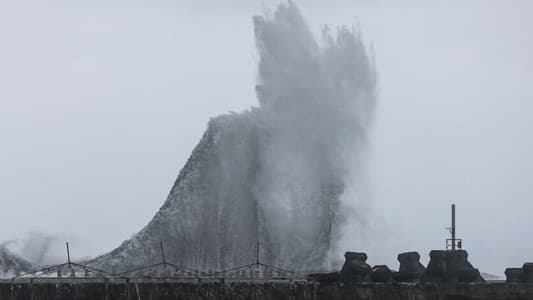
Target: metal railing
x=164 y=270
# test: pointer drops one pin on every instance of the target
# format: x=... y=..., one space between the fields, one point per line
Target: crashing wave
x=275 y=174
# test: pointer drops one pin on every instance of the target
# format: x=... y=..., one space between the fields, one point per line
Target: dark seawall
x=63 y=290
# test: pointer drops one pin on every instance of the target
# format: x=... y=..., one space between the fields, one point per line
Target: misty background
x=101 y=104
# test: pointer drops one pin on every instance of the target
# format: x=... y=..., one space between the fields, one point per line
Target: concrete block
x=410 y=267
x=324 y=277
x=355 y=268
x=528 y=272
x=514 y=275
x=381 y=273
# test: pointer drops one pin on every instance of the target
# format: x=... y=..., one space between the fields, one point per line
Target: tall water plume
x=316 y=104
x=275 y=174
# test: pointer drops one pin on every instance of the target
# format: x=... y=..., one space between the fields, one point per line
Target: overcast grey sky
x=101 y=103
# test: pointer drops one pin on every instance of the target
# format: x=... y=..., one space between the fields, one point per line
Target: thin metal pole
x=163 y=254
x=257 y=255
x=453 y=226
x=68 y=255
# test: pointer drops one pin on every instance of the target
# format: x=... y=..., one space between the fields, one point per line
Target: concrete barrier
x=411 y=270
x=159 y=290
x=355 y=268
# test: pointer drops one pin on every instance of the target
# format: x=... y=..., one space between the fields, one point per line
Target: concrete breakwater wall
x=261 y=291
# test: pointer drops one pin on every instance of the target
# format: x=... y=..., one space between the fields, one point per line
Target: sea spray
x=316 y=105
x=274 y=174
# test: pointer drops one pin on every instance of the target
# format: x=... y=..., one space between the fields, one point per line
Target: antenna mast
x=453 y=243
x=453 y=227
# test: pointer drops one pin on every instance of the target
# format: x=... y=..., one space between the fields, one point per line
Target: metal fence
x=164 y=270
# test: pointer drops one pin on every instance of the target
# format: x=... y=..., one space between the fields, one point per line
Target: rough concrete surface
x=260 y=291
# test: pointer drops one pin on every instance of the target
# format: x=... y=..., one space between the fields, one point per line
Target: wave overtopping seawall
x=276 y=173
